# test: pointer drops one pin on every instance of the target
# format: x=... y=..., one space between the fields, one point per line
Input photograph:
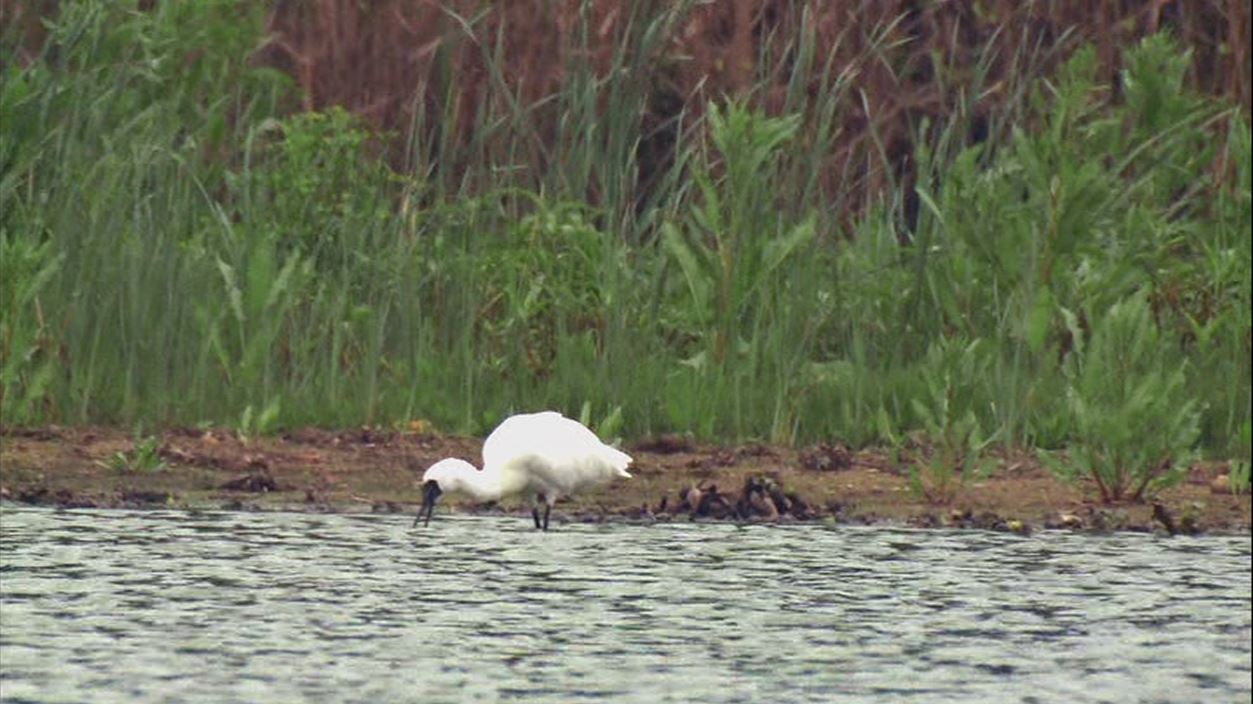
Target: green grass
x=180 y=248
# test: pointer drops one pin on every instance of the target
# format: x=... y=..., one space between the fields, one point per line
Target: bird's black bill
x=431 y=495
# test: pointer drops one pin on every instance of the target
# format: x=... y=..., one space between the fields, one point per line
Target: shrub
x=952 y=429
x=1134 y=423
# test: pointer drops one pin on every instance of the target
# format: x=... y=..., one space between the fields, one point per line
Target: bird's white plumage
x=541 y=455
x=555 y=452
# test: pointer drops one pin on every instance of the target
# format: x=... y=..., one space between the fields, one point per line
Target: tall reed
x=180 y=246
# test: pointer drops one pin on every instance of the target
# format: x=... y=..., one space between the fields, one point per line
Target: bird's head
x=443 y=477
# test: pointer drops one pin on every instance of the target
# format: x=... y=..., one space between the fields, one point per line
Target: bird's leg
x=535 y=510
x=548 y=508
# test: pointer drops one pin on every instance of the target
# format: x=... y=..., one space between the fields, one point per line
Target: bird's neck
x=482 y=485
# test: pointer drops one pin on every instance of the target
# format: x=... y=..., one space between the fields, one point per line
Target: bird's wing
x=520 y=435
x=556 y=453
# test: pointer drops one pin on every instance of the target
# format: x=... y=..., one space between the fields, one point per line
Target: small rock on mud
x=257 y=481
x=144 y=497
x=826 y=458
x=668 y=444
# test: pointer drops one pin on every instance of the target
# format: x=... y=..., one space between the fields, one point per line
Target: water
x=176 y=607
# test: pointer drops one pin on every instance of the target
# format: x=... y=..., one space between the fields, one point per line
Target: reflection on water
x=119 y=606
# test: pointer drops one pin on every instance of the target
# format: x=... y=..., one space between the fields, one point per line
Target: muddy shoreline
x=371 y=470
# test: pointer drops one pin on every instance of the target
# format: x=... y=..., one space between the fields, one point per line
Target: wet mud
x=676 y=479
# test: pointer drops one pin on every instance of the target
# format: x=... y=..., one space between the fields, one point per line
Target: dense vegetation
x=180 y=245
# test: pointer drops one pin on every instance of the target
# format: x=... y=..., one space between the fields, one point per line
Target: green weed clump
x=1135 y=423
x=949 y=422
x=181 y=246
x=143 y=457
x=741 y=265
x=1242 y=465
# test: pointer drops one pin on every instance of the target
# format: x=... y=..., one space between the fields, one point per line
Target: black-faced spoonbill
x=541 y=455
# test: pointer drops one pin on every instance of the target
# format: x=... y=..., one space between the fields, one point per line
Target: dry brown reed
x=390 y=60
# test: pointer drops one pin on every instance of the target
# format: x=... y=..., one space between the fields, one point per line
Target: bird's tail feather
x=619 y=460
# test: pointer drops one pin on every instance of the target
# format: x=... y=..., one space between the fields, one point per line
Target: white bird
x=540 y=455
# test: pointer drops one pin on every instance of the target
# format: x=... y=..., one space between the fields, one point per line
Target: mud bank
x=370 y=470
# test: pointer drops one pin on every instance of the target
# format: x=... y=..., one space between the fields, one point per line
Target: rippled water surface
x=173 y=606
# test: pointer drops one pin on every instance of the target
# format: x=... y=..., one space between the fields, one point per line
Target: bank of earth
x=676 y=479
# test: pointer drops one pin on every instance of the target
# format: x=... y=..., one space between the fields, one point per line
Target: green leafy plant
x=954 y=439
x=738 y=310
x=1135 y=423
x=143 y=457
x=313 y=188
x=253 y=424
x=734 y=248
x=1242 y=468
x=549 y=277
x=29 y=350
x=609 y=427
x=1240 y=476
